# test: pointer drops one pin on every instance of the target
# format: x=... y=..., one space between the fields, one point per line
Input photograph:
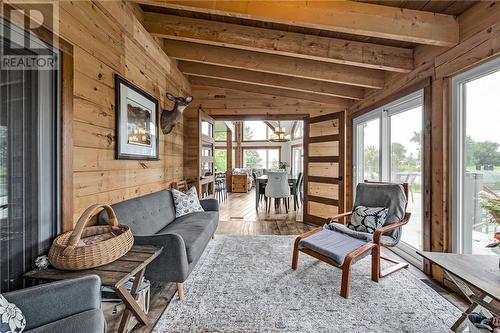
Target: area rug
x=245 y=284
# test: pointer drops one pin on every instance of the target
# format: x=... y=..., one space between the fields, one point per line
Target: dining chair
x=277 y=187
x=262 y=186
x=296 y=190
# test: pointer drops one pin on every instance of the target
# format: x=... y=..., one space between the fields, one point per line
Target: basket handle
x=87 y=214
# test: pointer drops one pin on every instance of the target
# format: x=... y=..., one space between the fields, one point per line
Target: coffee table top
x=481 y=271
x=113 y=274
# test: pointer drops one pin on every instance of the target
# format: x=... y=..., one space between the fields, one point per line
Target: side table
x=114 y=275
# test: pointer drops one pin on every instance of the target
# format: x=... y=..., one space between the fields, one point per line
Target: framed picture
x=137 y=135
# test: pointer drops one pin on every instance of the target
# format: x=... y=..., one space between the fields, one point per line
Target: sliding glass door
x=388 y=147
x=476 y=159
x=29 y=169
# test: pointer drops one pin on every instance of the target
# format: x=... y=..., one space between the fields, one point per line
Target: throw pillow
x=11 y=318
x=186 y=203
x=367 y=219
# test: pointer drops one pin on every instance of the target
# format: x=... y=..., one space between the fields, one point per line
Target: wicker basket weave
x=67 y=254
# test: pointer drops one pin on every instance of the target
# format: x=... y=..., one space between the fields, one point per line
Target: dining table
x=292 y=181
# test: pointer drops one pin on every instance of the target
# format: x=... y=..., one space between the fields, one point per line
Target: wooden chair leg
x=375 y=264
x=180 y=291
x=346 y=277
x=295 y=256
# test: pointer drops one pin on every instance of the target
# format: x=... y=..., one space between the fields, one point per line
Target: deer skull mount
x=169 y=118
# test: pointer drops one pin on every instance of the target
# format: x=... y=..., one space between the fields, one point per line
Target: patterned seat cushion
x=367 y=219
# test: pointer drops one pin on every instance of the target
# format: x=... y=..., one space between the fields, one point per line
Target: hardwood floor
x=238 y=216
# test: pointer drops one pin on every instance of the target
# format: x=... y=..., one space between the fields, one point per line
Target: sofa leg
x=180 y=291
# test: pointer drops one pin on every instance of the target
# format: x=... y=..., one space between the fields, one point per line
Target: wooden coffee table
x=114 y=275
x=477 y=276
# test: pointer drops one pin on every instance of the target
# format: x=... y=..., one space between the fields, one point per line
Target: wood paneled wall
x=479 y=42
x=107 y=38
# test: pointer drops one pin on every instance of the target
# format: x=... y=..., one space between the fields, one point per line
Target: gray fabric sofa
x=152 y=221
x=63 y=306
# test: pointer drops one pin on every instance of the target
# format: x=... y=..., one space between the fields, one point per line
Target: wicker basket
x=66 y=252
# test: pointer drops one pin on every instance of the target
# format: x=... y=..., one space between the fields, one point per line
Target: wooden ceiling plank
x=202 y=81
x=279 y=42
x=275 y=64
x=340 y=16
x=272 y=80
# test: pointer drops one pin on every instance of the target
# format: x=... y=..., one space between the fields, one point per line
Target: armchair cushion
x=332 y=244
x=367 y=219
x=391 y=196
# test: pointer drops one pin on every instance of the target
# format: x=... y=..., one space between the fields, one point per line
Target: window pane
x=220 y=131
x=481 y=182
x=220 y=160
x=206 y=128
x=371 y=150
x=297 y=160
x=255 y=130
x=261 y=158
x=406 y=167
x=299 y=130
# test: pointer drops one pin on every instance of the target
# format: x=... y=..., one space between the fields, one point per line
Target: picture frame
x=137 y=130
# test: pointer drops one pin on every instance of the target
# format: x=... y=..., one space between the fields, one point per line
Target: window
x=220 y=160
x=256 y=131
x=206 y=128
x=388 y=147
x=220 y=131
x=476 y=159
x=298 y=131
x=297 y=159
x=261 y=158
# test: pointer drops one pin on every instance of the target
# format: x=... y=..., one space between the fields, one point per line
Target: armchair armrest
x=340 y=218
x=377 y=236
x=50 y=302
x=211 y=205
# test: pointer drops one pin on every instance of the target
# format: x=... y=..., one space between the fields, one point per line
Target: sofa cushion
x=186 y=203
x=196 y=229
x=83 y=322
x=11 y=318
x=145 y=215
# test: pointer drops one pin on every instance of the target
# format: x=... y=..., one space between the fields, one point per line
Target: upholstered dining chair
x=277 y=188
x=296 y=191
x=341 y=246
x=262 y=186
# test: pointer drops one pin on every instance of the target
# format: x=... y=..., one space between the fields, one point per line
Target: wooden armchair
x=362 y=243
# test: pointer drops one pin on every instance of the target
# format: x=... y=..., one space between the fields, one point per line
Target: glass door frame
x=459 y=134
x=385 y=113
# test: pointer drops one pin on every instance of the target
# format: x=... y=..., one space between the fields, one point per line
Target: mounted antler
x=169 y=118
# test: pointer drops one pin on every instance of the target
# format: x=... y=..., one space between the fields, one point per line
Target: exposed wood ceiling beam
x=279 y=42
x=275 y=64
x=201 y=81
x=341 y=16
x=272 y=80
